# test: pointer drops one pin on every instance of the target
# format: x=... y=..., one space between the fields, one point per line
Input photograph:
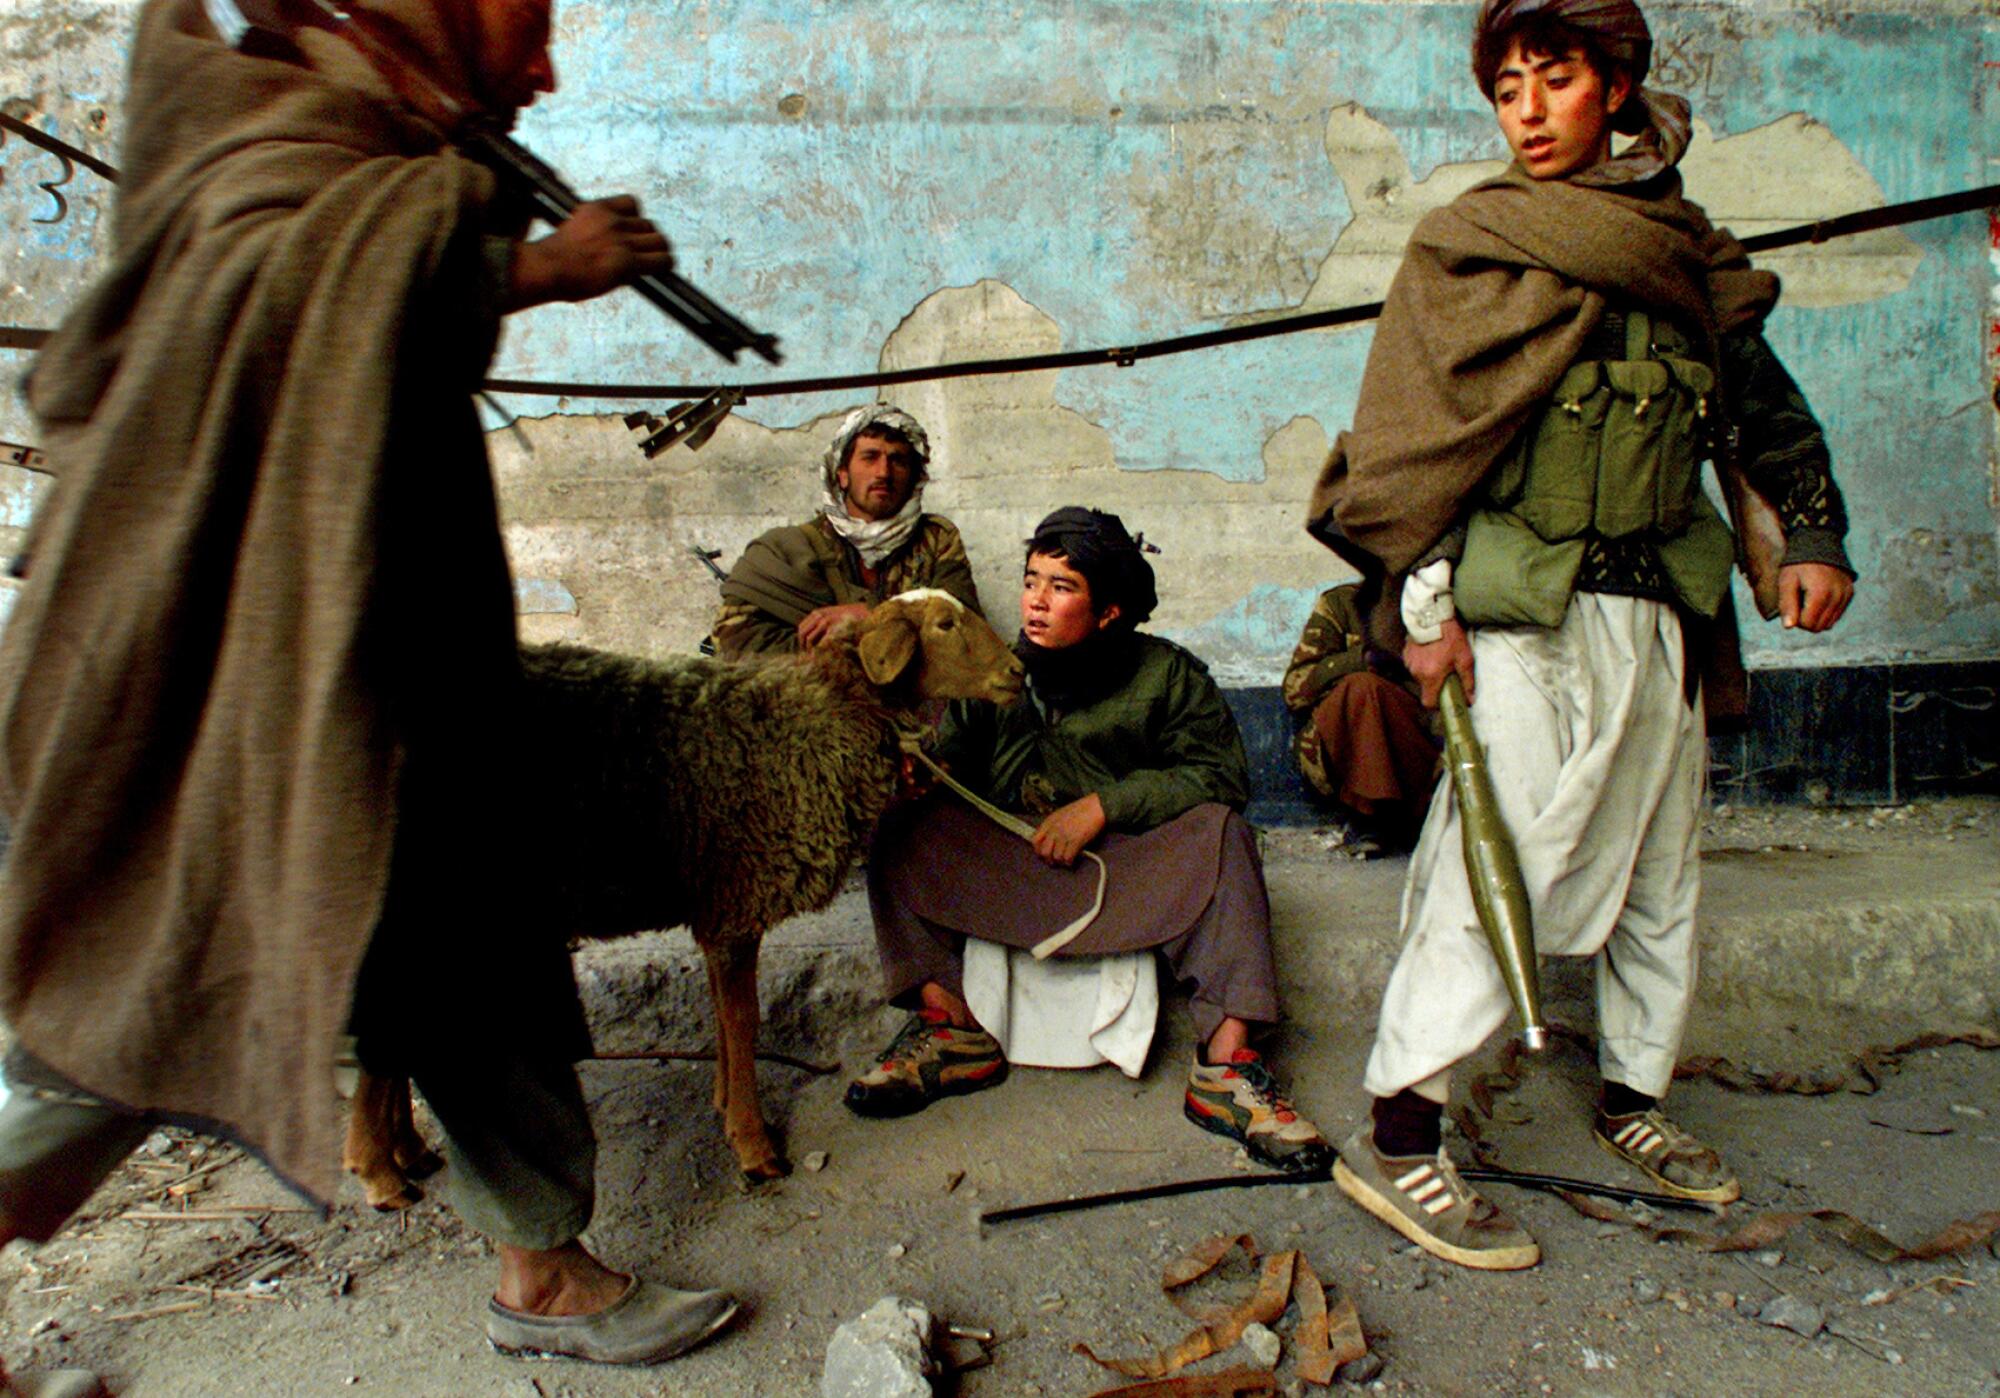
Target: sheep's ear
x=887 y=648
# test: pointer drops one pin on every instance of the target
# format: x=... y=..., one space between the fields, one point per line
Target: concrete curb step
x=1902 y=930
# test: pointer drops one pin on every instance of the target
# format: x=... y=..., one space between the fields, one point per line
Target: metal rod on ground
x=1553 y=1184
x=1560 y=1184
x=1492 y=866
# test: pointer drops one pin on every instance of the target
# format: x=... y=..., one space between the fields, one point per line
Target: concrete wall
x=908 y=183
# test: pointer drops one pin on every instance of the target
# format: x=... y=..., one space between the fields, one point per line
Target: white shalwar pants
x=1597 y=762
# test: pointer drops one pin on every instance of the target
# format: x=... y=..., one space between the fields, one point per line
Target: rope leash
x=1013 y=824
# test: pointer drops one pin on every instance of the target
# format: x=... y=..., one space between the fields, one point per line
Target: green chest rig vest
x=1617 y=452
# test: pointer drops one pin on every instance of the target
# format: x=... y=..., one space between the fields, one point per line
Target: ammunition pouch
x=1617 y=452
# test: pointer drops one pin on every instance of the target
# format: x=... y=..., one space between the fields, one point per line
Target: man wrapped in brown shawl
x=1578 y=254
x=1497 y=295
x=254 y=697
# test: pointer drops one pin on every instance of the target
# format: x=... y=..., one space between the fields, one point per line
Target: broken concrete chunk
x=1789 y=1312
x=1356 y=1372
x=883 y=1353
x=1263 y=1344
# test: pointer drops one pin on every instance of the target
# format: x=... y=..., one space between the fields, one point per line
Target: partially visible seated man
x=1122 y=745
x=1364 y=739
x=871 y=540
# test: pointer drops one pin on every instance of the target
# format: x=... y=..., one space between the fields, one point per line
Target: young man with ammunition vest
x=1557 y=351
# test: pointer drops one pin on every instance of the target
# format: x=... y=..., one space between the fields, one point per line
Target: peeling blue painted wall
x=1139 y=169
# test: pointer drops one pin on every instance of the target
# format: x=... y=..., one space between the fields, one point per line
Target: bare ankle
x=956 y=1012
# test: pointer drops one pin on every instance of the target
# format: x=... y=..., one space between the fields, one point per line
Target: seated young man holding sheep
x=1123 y=747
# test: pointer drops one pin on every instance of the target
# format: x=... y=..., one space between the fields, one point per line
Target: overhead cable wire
x=1123 y=356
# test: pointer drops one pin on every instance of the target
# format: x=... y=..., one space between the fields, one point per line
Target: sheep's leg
x=370 y=1151
x=715 y=993
x=416 y=1160
x=734 y=967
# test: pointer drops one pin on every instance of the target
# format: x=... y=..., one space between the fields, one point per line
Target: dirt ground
x=193 y=1273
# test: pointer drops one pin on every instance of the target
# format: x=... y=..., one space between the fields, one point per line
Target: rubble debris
x=882 y=1353
x=1263 y=1344
x=1324 y=1339
x=1230 y=1383
x=1356 y=1372
x=1760 y=1232
x=1789 y=1312
x=813 y=1162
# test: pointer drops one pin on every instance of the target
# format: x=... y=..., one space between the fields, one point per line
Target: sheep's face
x=954 y=653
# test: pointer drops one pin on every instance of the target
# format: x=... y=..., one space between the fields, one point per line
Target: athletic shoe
x=1423 y=1198
x=1670 y=1157
x=1240 y=1099
x=930 y=1058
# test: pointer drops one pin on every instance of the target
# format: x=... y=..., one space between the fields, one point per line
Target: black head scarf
x=1111 y=560
x=1114 y=564
x=1660 y=121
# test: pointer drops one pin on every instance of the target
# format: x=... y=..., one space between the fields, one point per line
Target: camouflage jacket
x=786 y=573
x=1331 y=648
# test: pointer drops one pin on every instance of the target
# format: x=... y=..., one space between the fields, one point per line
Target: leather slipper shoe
x=647 y=1325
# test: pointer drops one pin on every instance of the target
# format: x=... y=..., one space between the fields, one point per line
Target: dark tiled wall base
x=1864 y=734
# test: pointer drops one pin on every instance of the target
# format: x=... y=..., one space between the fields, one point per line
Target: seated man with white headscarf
x=871 y=540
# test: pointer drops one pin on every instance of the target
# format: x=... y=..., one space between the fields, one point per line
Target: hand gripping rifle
x=531 y=179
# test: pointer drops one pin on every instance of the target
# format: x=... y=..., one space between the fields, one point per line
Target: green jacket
x=1162 y=744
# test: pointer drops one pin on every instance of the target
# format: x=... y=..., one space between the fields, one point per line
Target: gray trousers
x=517 y=1138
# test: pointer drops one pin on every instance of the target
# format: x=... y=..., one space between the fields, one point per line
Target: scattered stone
x=1769 y=1257
x=883 y=1353
x=1263 y=1344
x=1789 y=1312
x=896 y=1250
x=1610 y=1230
x=157 y=1145
x=1748 y=1306
x=1303 y=1192
x=1962 y=1109
x=1356 y=1372
x=1596 y=1360
x=1645 y=1290
x=814 y=1162
x=1725 y=1300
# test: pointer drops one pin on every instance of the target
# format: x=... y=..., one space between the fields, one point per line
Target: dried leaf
x=1765 y=1230
x=1204 y=1257
x=1230 y=1383
x=1323 y=1342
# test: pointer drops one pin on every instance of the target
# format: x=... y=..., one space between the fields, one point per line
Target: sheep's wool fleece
x=261 y=427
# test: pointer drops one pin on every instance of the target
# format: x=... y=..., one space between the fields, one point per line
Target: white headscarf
x=875 y=539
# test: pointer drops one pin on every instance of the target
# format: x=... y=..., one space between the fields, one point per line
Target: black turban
x=1097 y=546
x=1615 y=27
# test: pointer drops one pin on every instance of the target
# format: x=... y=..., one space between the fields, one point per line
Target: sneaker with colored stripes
x=928 y=1059
x=1670 y=1157
x=1240 y=1099
x=1423 y=1198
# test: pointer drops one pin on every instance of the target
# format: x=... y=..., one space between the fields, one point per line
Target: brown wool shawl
x=267 y=467
x=1496 y=295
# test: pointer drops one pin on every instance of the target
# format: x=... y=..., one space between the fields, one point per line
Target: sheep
x=726 y=796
